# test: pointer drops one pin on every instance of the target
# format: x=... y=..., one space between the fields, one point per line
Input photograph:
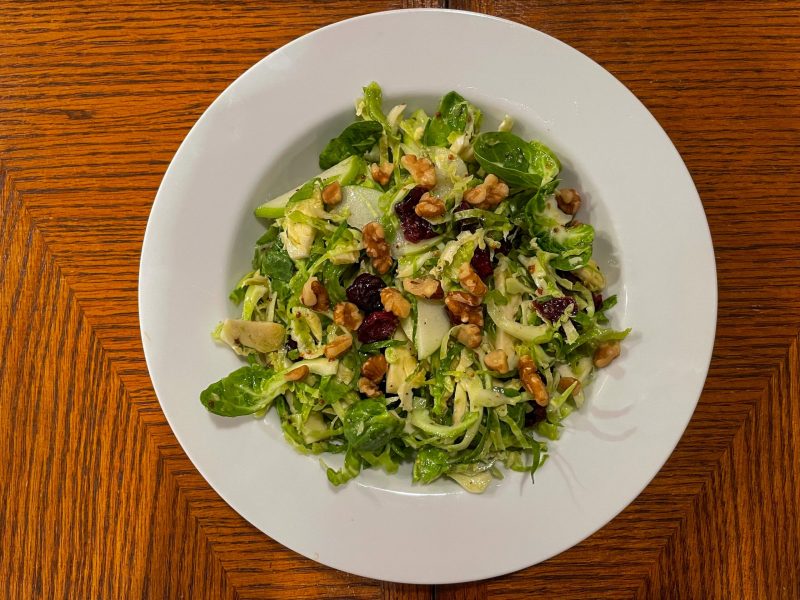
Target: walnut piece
x=296 y=374
x=430 y=207
x=424 y=287
x=332 y=194
x=314 y=295
x=381 y=173
x=488 y=194
x=348 y=315
x=605 y=354
x=470 y=280
x=568 y=200
x=565 y=382
x=422 y=170
x=394 y=302
x=470 y=335
x=375 y=368
x=532 y=382
x=368 y=388
x=338 y=346
x=376 y=247
x=497 y=360
x=464 y=308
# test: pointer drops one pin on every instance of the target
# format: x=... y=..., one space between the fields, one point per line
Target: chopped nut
x=314 y=295
x=338 y=346
x=605 y=354
x=348 y=315
x=422 y=171
x=375 y=368
x=565 y=382
x=424 y=287
x=568 y=200
x=382 y=173
x=394 y=302
x=323 y=302
x=368 y=388
x=470 y=280
x=488 y=194
x=470 y=335
x=532 y=382
x=376 y=247
x=332 y=194
x=497 y=360
x=296 y=374
x=464 y=308
x=429 y=207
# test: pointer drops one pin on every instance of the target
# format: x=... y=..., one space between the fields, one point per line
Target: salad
x=429 y=297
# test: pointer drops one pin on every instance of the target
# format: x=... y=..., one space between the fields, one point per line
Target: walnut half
x=568 y=200
x=381 y=173
x=532 y=382
x=470 y=335
x=375 y=368
x=422 y=170
x=332 y=194
x=377 y=249
x=470 y=280
x=314 y=295
x=464 y=308
x=488 y=194
x=394 y=302
x=348 y=315
x=605 y=354
x=497 y=360
x=338 y=346
x=424 y=287
x=430 y=207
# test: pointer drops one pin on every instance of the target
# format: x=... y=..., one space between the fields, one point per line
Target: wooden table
x=99 y=500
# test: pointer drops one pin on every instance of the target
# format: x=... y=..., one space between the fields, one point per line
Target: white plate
x=263 y=135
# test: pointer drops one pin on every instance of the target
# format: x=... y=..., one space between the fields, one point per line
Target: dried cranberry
x=365 y=292
x=415 y=228
x=377 y=326
x=482 y=262
x=538 y=414
x=470 y=225
x=290 y=343
x=508 y=243
x=552 y=309
x=598 y=300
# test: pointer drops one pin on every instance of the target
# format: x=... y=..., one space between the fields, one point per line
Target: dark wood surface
x=99 y=500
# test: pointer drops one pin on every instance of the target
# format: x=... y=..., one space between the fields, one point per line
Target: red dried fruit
x=538 y=414
x=482 y=262
x=415 y=228
x=597 y=298
x=553 y=309
x=365 y=292
x=377 y=326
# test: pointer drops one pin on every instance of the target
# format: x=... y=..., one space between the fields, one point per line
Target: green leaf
x=243 y=392
x=373 y=104
x=351 y=468
x=519 y=163
x=272 y=259
x=356 y=139
x=430 y=464
x=369 y=426
x=454 y=116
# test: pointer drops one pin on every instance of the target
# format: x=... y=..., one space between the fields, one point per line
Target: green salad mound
x=429 y=297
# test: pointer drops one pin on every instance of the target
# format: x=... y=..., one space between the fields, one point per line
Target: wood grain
x=98 y=499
